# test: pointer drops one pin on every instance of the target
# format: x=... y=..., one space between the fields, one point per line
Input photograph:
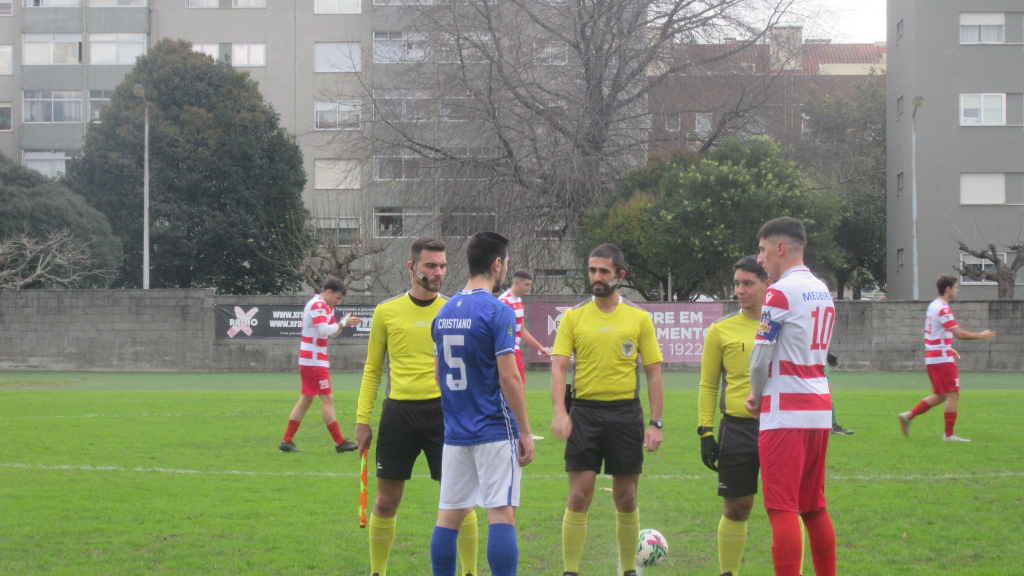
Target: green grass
x=179 y=474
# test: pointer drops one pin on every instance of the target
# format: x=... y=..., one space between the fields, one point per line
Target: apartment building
x=955 y=139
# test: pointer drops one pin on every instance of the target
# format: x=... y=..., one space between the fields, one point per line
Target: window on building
x=672 y=123
x=899 y=257
x=899 y=106
x=6 y=60
x=202 y=4
x=899 y=31
x=245 y=55
x=51 y=3
x=336 y=174
x=702 y=124
x=115 y=3
x=456 y=108
x=6 y=8
x=394 y=47
x=395 y=222
x=405 y=106
x=42 y=49
x=402 y=2
x=51 y=163
x=337 y=7
x=340 y=231
x=97 y=100
x=121 y=49
x=982 y=109
x=465 y=223
x=211 y=50
x=551 y=52
x=982 y=28
x=337 y=114
x=51 y=106
x=977 y=265
x=6 y=117
x=983 y=188
x=337 y=57
x=899 y=182
x=248 y=3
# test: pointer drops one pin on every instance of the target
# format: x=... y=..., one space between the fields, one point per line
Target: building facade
x=955 y=139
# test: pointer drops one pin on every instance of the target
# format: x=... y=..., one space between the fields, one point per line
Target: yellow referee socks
x=574 y=534
x=469 y=535
x=382 y=534
x=627 y=533
x=732 y=539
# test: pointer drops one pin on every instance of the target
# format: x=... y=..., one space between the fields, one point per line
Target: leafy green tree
x=43 y=224
x=844 y=153
x=693 y=218
x=225 y=179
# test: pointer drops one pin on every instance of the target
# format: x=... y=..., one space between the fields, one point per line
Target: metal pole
x=913 y=195
x=145 y=208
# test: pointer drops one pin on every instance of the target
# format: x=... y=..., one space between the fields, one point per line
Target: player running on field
x=521 y=284
x=790 y=395
x=318 y=325
x=726 y=360
x=487 y=436
x=940 y=327
x=411 y=420
x=606 y=424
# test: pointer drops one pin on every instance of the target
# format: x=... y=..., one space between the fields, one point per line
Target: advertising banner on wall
x=680 y=326
x=280 y=321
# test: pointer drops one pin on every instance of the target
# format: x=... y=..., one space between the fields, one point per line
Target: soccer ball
x=652 y=548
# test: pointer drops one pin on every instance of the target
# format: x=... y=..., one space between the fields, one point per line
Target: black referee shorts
x=406 y=428
x=738 y=462
x=609 y=432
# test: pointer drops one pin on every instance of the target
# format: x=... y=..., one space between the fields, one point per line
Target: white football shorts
x=486 y=475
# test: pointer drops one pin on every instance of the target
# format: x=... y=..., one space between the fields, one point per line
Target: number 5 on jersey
x=454 y=363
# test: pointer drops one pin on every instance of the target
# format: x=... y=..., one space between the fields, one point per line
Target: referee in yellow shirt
x=725 y=381
x=411 y=420
x=606 y=424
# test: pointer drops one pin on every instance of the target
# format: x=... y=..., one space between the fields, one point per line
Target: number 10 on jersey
x=455 y=363
x=824 y=320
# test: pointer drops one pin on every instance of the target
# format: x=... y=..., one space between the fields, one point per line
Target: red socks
x=787 y=547
x=293 y=427
x=921 y=408
x=335 y=432
x=950 y=422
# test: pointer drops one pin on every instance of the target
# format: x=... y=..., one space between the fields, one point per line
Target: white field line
x=144 y=415
x=188 y=472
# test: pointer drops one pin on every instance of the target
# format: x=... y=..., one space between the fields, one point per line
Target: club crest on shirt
x=511 y=330
x=628 y=347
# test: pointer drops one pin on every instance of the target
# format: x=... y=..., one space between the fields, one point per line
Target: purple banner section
x=680 y=326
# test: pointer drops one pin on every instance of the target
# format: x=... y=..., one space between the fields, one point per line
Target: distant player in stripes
x=487 y=436
x=318 y=325
x=522 y=281
x=606 y=424
x=940 y=327
x=789 y=393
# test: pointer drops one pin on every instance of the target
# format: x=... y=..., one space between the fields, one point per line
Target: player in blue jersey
x=487 y=437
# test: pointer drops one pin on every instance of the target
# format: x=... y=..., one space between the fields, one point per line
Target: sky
x=856 y=21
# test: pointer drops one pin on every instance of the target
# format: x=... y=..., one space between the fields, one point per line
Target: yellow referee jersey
x=725 y=361
x=606 y=347
x=401 y=331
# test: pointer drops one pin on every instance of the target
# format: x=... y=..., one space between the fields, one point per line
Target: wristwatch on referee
x=657 y=424
x=702 y=430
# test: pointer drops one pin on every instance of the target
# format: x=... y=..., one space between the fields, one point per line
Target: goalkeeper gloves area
x=709 y=451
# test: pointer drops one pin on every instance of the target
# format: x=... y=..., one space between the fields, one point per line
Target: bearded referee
x=411 y=420
x=606 y=425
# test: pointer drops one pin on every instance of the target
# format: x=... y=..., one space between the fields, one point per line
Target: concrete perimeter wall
x=173 y=330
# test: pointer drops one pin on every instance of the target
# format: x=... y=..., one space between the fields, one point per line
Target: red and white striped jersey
x=798 y=317
x=317 y=325
x=517 y=306
x=938 y=340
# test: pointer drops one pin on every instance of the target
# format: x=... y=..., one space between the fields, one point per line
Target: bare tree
x=521 y=115
x=1003 y=273
x=56 y=261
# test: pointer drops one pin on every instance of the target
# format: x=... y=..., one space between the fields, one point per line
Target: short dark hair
x=522 y=275
x=945 y=282
x=612 y=252
x=749 y=264
x=483 y=249
x=428 y=243
x=785 y=226
x=334 y=285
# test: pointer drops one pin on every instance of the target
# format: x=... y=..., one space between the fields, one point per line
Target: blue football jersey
x=470 y=332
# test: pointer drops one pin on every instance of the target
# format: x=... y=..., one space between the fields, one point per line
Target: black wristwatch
x=702 y=430
x=657 y=424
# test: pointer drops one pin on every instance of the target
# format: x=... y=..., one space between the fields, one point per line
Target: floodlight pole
x=145 y=192
x=918 y=102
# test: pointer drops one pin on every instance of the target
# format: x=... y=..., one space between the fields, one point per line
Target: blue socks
x=502 y=550
x=443 y=550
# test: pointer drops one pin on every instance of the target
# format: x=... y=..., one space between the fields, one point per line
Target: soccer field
x=104 y=473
